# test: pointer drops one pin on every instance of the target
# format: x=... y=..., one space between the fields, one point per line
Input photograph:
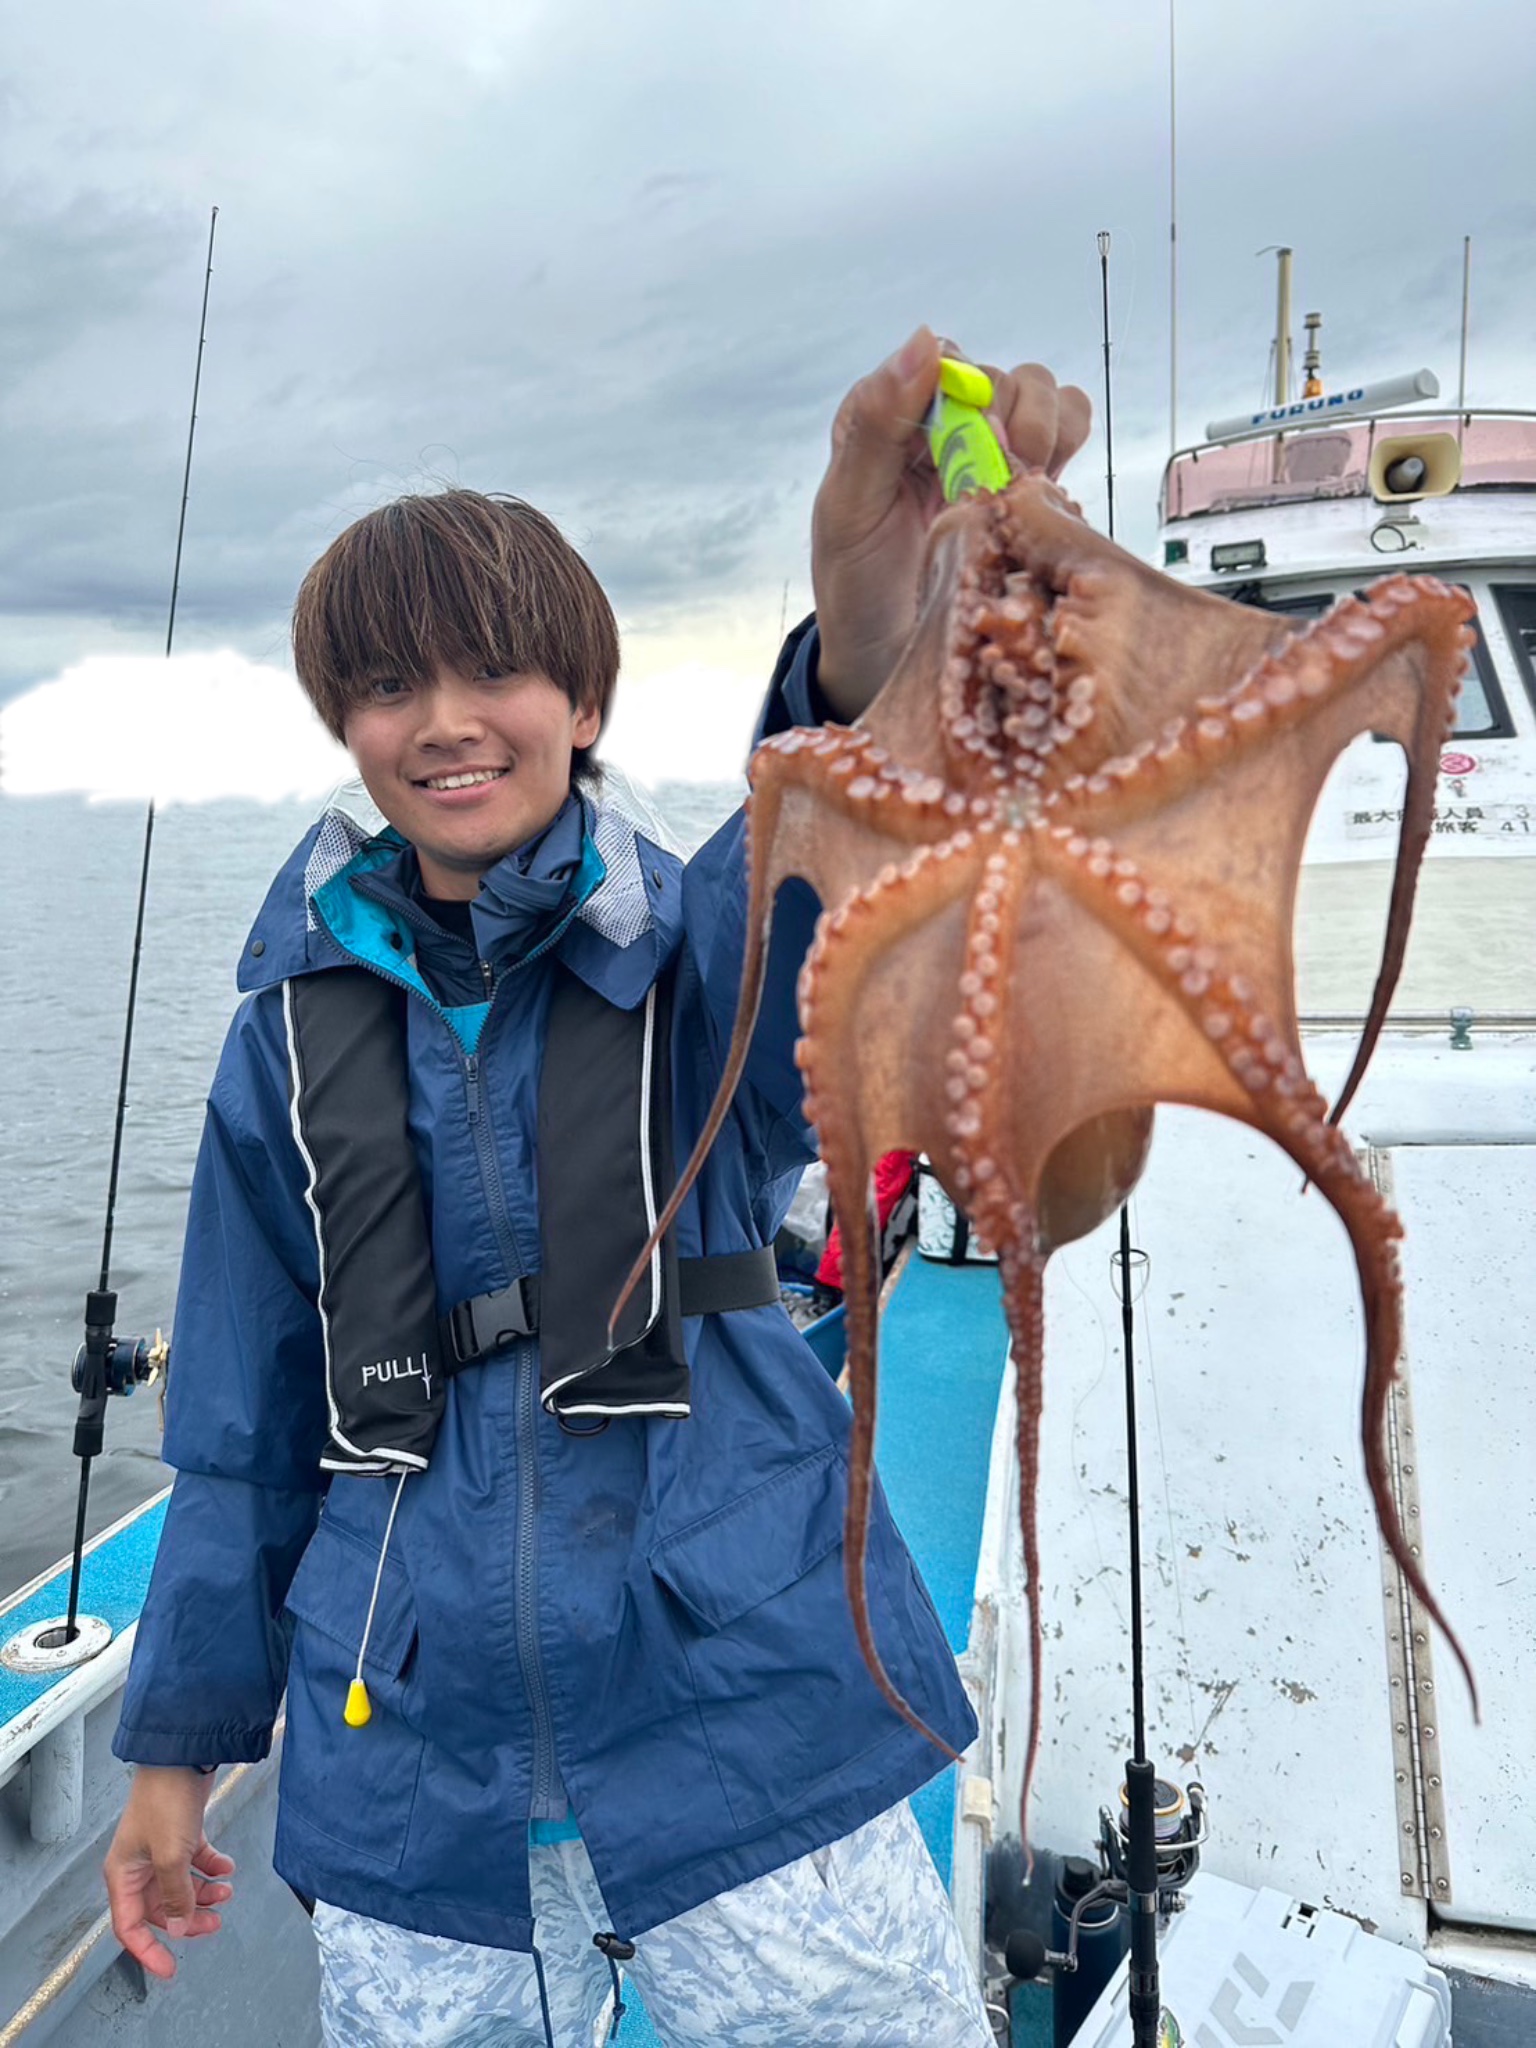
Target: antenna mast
x=1466 y=308
x=1283 y=328
x=1173 y=240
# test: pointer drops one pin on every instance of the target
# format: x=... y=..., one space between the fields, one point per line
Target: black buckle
x=490 y=1322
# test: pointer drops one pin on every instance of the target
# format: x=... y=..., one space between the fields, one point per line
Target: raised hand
x=881 y=494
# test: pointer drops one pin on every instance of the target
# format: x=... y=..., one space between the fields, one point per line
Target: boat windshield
x=1481 y=712
x=1498 y=451
x=1517 y=607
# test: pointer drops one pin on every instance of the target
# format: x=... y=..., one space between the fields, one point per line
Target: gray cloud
x=624 y=261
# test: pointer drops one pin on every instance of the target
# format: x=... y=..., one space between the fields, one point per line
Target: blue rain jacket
x=649 y=1621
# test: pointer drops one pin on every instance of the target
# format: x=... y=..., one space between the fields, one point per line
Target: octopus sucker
x=1061 y=921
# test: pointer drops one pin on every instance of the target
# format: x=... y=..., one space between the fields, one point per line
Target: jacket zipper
x=529 y=1657
x=530 y=1661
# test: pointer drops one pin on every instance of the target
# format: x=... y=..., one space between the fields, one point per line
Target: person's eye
x=386 y=689
x=495 y=677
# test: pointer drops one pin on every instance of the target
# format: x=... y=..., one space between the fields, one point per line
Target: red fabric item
x=893 y=1176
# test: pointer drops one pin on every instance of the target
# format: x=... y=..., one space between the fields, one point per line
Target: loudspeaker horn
x=1412 y=466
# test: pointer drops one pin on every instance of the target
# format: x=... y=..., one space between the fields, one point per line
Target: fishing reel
x=105 y=1364
x=128 y=1362
x=1089 y=1926
x=1181 y=1834
x=108 y=1364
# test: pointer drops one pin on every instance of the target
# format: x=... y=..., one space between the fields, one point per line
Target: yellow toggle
x=358 y=1711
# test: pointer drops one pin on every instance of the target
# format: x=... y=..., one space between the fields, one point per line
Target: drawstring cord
x=615 y=1950
x=358 y=1711
x=625 y=1950
x=619 y=2007
x=538 y=1971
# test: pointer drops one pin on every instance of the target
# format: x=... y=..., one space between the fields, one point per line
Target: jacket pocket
x=355 y=1785
x=787 y=1704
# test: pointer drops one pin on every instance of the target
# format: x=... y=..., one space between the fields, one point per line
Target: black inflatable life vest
x=605 y=1167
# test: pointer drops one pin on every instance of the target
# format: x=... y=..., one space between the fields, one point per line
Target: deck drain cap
x=31 y=1655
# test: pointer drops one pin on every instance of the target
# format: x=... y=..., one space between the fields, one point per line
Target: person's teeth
x=464 y=781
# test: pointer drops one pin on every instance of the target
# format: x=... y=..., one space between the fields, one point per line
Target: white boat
x=1351 y=1801
x=1288 y=1669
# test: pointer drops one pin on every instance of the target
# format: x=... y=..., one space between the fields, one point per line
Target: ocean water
x=70 y=873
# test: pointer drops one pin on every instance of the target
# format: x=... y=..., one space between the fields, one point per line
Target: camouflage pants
x=852 y=1947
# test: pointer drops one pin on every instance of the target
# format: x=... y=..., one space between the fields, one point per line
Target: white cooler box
x=1254 y=1969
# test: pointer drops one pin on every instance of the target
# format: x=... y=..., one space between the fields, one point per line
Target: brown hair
x=456 y=580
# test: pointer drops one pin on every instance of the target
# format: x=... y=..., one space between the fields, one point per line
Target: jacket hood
x=620 y=934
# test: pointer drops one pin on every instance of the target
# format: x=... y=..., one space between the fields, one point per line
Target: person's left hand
x=161 y=1870
x=881 y=494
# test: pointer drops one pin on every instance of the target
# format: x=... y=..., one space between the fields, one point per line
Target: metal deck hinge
x=1417 y=1767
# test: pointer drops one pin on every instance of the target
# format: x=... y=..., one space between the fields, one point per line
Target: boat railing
x=62 y=1976
x=51 y=1734
x=1423 y=1023
x=47 y=1702
x=1331 y=458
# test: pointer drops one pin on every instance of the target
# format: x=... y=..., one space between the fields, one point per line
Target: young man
x=564 y=1636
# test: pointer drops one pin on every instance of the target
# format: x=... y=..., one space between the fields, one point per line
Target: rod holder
x=45 y=1650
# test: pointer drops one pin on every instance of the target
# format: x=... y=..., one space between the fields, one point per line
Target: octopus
x=1058 y=860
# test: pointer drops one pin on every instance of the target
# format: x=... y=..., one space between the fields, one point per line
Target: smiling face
x=463 y=650
x=466 y=767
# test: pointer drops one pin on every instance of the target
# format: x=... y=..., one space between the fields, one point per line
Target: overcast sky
x=624 y=259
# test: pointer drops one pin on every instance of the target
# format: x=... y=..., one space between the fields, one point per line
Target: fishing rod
x=1140 y=1832
x=107 y=1364
x=1141 y=1800
x=1109 y=429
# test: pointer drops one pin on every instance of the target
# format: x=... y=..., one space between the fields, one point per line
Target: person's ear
x=588 y=724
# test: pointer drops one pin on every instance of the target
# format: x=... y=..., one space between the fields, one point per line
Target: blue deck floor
x=943 y=1345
